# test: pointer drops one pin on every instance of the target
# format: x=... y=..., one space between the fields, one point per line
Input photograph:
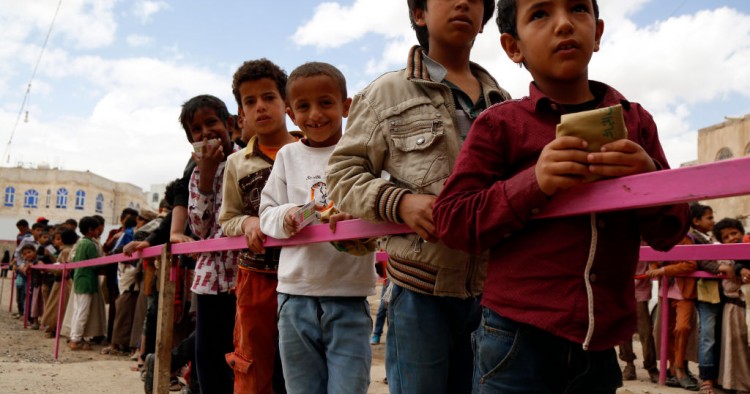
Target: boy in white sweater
x=324 y=316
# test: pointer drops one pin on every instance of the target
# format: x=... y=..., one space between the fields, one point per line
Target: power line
x=28 y=87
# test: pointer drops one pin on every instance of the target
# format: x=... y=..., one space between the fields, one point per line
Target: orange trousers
x=255 y=333
x=680 y=318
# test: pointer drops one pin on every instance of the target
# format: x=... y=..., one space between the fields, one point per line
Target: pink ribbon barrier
x=12 y=292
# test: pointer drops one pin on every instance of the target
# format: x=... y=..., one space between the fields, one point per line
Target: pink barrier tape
x=12 y=292
x=698 y=252
x=655 y=188
x=381 y=256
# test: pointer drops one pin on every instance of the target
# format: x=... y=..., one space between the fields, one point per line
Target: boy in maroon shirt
x=559 y=292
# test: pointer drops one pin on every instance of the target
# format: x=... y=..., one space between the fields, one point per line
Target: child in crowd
x=22 y=274
x=559 y=292
x=734 y=360
x=324 y=317
x=645 y=331
x=30 y=258
x=86 y=286
x=259 y=86
x=411 y=124
x=205 y=118
x=64 y=240
x=708 y=299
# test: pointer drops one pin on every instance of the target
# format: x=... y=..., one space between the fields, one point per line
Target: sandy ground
x=27 y=364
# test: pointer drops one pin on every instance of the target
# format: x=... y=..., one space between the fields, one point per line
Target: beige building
x=727 y=140
x=29 y=193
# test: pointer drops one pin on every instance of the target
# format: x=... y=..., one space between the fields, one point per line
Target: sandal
x=175 y=384
x=706 y=388
x=688 y=384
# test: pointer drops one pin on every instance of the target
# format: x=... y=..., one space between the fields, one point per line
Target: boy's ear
x=598 y=34
x=347 y=105
x=511 y=48
x=291 y=115
x=418 y=16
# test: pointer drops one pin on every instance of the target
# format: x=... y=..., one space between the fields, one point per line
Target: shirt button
x=231 y=363
x=420 y=140
x=601 y=223
x=535 y=211
x=592 y=278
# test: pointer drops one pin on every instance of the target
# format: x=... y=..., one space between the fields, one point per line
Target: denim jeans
x=382 y=312
x=708 y=339
x=325 y=344
x=511 y=357
x=428 y=349
x=20 y=293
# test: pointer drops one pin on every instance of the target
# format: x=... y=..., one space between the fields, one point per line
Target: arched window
x=99 y=203
x=10 y=196
x=80 y=199
x=724 y=153
x=62 y=198
x=31 y=199
x=49 y=197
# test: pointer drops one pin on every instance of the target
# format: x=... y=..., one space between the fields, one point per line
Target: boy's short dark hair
x=87 y=224
x=28 y=247
x=68 y=237
x=128 y=212
x=100 y=219
x=423 y=36
x=38 y=225
x=253 y=70
x=506 y=16
x=190 y=107
x=726 y=223
x=72 y=222
x=697 y=211
x=130 y=222
x=311 y=69
x=22 y=223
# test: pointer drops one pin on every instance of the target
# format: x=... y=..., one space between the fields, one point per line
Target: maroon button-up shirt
x=536 y=268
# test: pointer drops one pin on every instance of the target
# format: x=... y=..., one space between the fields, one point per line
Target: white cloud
x=139 y=40
x=333 y=24
x=145 y=9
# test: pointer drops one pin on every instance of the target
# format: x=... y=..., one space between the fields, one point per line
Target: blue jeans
x=708 y=339
x=20 y=292
x=325 y=344
x=429 y=342
x=382 y=311
x=511 y=357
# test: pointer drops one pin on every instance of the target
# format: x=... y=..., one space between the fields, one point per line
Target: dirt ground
x=27 y=364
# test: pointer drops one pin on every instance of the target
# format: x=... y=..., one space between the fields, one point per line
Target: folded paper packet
x=356 y=247
x=599 y=127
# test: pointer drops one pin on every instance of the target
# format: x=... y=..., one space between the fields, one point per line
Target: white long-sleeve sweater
x=298 y=176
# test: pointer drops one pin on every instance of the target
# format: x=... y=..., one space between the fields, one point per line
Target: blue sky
x=109 y=87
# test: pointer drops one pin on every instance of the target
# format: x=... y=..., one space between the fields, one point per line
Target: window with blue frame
x=49 y=197
x=10 y=196
x=80 y=199
x=62 y=198
x=31 y=199
x=99 y=203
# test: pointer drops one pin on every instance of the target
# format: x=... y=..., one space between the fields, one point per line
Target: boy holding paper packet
x=559 y=292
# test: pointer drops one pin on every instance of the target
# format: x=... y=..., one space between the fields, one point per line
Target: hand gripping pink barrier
x=638 y=191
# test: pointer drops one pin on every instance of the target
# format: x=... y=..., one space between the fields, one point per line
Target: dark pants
x=511 y=357
x=646 y=336
x=214 y=328
x=113 y=291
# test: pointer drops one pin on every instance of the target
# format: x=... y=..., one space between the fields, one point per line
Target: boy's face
x=706 y=222
x=37 y=233
x=57 y=241
x=556 y=38
x=317 y=108
x=730 y=235
x=451 y=23
x=263 y=110
x=206 y=125
x=28 y=254
x=43 y=239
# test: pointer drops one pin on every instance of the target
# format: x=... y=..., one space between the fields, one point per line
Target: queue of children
x=440 y=147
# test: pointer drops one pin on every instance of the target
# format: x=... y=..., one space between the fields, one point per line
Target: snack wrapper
x=198 y=146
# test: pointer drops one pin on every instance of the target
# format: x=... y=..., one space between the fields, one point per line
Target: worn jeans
x=511 y=357
x=708 y=339
x=20 y=293
x=428 y=349
x=325 y=344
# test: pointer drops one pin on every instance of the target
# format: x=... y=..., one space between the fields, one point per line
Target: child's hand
x=745 y=275
x=561 y=164
x=416 y=212
x=338 y=217
x=134 y=246
x=211 y=157
x=620 y=158
x=655 y=273
x=291 y=226
x=253 y=235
